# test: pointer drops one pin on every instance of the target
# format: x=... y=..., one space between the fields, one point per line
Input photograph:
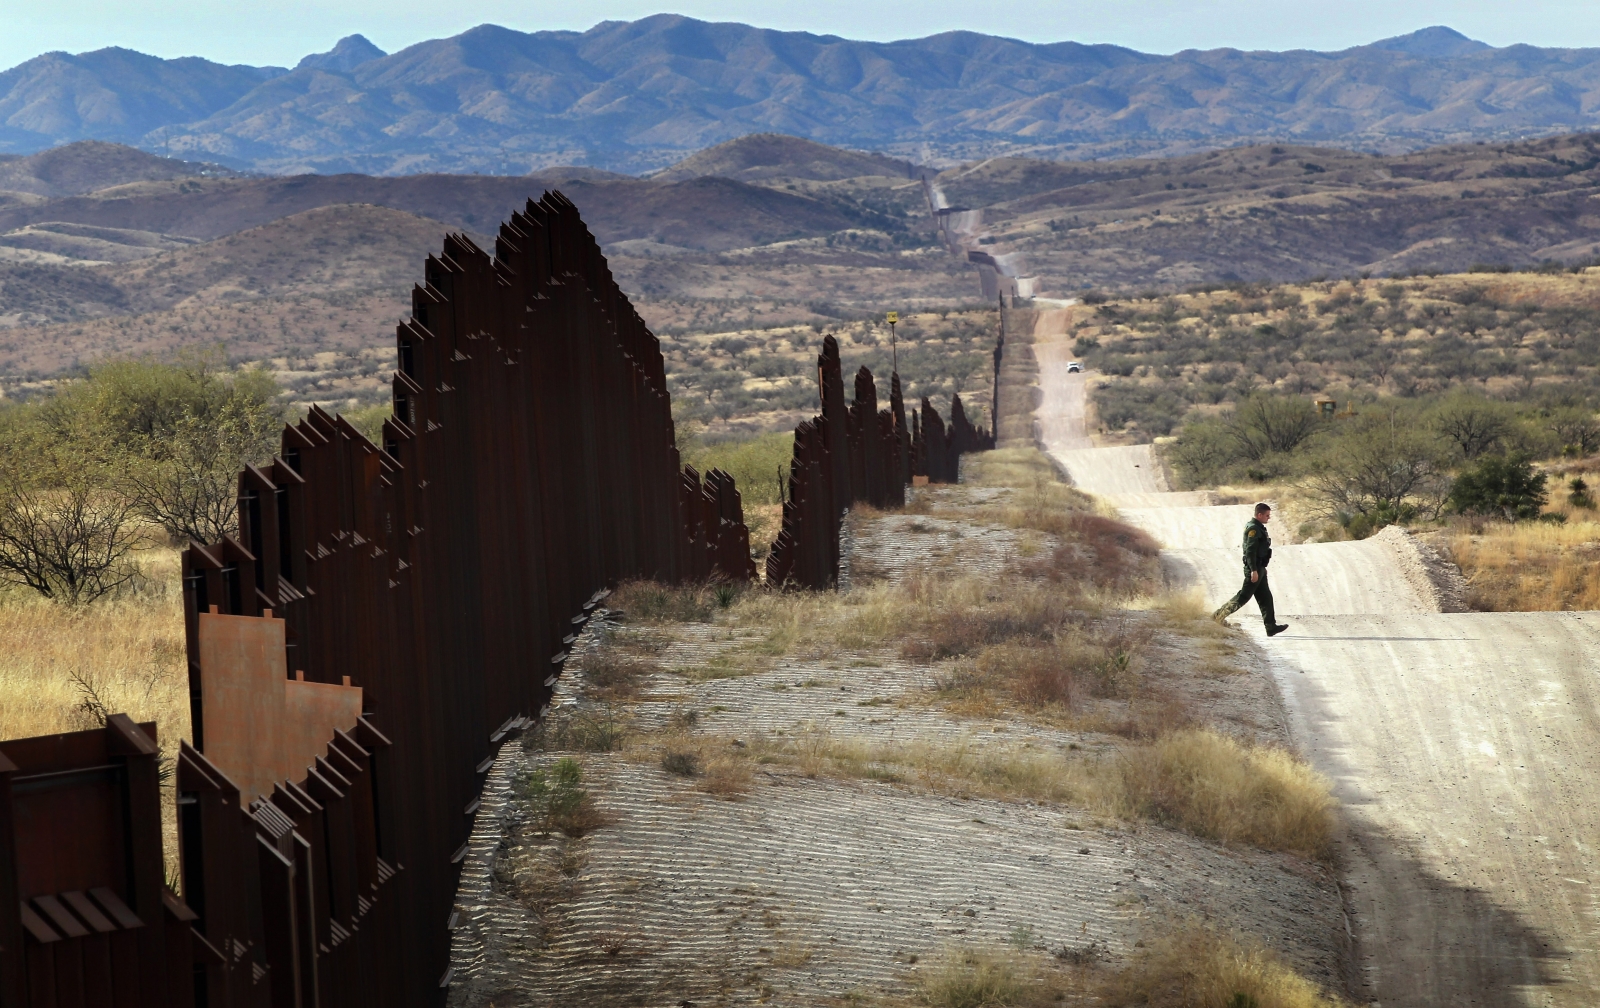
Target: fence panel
x=386 y=617
x=858 y=454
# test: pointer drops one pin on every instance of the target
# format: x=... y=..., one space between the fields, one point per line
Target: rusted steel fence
x=858 y=454
x=386 y=617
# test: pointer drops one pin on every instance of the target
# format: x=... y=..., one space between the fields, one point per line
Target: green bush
x=1376 y=470
x=1260 y=440
x=1501 y=486
x=556 y=801
x=757 y=464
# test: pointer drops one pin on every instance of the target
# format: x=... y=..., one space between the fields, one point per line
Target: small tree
x=67 y=538
x=1267 y=424
x=1576 y=428
x=1377 y=473
x=1473 y=425
x=1504 y=487
x=187 y=481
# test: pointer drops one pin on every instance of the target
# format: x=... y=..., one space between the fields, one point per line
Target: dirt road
x=1464 y=746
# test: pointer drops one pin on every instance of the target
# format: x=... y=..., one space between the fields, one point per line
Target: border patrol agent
x=1257 y=554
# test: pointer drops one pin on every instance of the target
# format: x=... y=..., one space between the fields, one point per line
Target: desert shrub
x=1152 y=410
x=1473 y=424
x=187 y=481
x=165 y=439
x=683 y=764
x=1197 y=966
x=1039 y=676
x=1101 y=659
x=1261 y=439
x=718 y=766
x=1217 y=787
x=68 y=528
x=1267 y=424
x=963 y=626
x=1576 y=429
x=973 y=978
x=1505 y=487
x=654 y=602
x=1377 y=471
x=609 y=675
x=369 y=420
x=1578 y=495
x=598 y=728
x=556 y=801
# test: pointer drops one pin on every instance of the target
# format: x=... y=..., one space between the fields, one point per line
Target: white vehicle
x=1073 y=367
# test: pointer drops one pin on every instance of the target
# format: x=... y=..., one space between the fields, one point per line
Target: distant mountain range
x=635 y=96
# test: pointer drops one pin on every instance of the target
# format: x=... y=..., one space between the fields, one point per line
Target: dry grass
x=1189 y=966
x=1229 y=791
x=985 y=978
x=65 y=668
x=1530 y=566
x=718 y=766
x=1196 y=966
x=651 y=602
x=960 y=765
x=124 y=655
x=1095 y=550
x=1014 y=467
x=1194 y=780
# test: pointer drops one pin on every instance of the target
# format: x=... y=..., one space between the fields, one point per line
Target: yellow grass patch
x=1189 y=966
x=1196 y=966
x=1195 y=780
x=64 y=667
x=126 y=654
x=1230 y=791
x=1530 y=566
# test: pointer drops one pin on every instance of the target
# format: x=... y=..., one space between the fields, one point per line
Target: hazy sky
x=279 y=32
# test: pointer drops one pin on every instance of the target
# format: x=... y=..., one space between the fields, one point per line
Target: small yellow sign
x=892 y=317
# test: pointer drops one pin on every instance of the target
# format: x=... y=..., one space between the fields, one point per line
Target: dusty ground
x=1463 y=747
x=807 y=889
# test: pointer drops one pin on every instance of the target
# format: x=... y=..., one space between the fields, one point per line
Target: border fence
x=858 y=454
x=388 y=615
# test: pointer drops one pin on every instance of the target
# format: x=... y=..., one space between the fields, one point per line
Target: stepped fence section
x=387 y=616
x=858 y=454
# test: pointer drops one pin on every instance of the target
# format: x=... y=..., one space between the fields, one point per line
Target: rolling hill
x=639 y=95
x=706 y=213
x=1280 y=212
x=272 y=264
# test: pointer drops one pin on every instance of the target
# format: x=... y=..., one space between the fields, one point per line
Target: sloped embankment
x=780 y=816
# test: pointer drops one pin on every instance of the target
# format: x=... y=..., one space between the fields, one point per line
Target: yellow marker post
x=894 y=350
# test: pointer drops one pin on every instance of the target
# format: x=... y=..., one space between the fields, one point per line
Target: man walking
x=1257 y=554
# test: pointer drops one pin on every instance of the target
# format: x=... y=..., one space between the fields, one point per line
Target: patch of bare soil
x=789 y=822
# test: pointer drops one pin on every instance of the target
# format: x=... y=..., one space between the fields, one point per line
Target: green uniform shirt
x=1257 y=546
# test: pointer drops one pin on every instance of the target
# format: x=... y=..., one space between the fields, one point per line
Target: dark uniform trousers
x=1260 y=591
x=1257 y=549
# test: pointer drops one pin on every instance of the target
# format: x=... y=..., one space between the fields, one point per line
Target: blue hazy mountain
x=635 y=95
